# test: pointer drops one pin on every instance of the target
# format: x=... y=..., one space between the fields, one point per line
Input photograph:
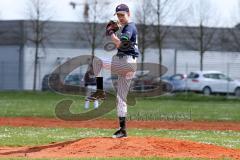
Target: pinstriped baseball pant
x=125 y=67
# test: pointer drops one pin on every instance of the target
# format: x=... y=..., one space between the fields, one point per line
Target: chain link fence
x=16 y=77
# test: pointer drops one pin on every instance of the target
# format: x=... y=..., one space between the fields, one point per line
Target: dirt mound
x=106 y=123
x=127 y=147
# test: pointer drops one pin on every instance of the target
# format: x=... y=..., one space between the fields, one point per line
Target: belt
x=121 y=55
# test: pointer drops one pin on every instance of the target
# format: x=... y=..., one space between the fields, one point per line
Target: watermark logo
x=109 y=46
x=62 y=109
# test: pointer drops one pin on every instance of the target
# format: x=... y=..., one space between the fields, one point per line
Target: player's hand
x=112 y=27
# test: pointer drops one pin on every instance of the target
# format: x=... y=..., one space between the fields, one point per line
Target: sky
x=16 y=9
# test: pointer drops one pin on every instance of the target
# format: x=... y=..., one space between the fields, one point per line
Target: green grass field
x=21 y=136
x=179 y=107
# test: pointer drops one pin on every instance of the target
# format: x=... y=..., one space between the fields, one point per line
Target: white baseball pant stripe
x=125 y=67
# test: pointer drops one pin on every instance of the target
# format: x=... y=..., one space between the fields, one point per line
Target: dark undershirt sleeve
x=127 y=33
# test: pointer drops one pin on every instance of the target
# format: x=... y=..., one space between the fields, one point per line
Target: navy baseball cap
x=122 y=8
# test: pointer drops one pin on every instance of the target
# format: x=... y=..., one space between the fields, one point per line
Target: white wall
x=152 y=56
x=187 y=61
x=226 y=62
x=10 y=78
x=50 y=58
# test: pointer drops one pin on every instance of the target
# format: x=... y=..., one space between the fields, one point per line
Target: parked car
x=110 y=83
x=74 y=79
x=142 y=82
x=45 y=81
x=178 y=81
x=148 y=82
x=209 y=82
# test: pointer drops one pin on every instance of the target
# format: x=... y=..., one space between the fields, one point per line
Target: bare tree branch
x=161 y=10
x=91 y=31
x=143 y=29
x=201 y=37
x=39 y=19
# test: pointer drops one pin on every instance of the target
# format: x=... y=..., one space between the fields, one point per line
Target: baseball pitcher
x=122 y=64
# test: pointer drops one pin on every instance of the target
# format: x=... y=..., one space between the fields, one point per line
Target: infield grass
x=22 y=136
x=179 y=107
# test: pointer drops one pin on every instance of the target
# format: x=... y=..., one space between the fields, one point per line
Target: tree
x=161 y=10
x=91 y=30
x=201 y=36
x=230 y=37
x=38 y=13
x=142 y=18
x=0 y=20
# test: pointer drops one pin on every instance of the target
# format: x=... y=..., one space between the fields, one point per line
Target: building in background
x=17 y=52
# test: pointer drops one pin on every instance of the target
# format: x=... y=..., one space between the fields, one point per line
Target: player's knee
x=97 y=65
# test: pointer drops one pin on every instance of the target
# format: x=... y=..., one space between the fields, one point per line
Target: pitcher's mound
x=127 y=147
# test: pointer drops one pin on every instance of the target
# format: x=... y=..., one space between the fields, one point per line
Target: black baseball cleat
x=98 y=95
x=121 y=133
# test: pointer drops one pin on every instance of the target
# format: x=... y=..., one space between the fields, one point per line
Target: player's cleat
x=98 y=95
x=120 y=133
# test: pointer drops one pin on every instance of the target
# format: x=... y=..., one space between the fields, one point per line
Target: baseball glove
x=112 y=27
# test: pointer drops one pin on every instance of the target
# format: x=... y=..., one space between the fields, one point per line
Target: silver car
x=209 y=82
